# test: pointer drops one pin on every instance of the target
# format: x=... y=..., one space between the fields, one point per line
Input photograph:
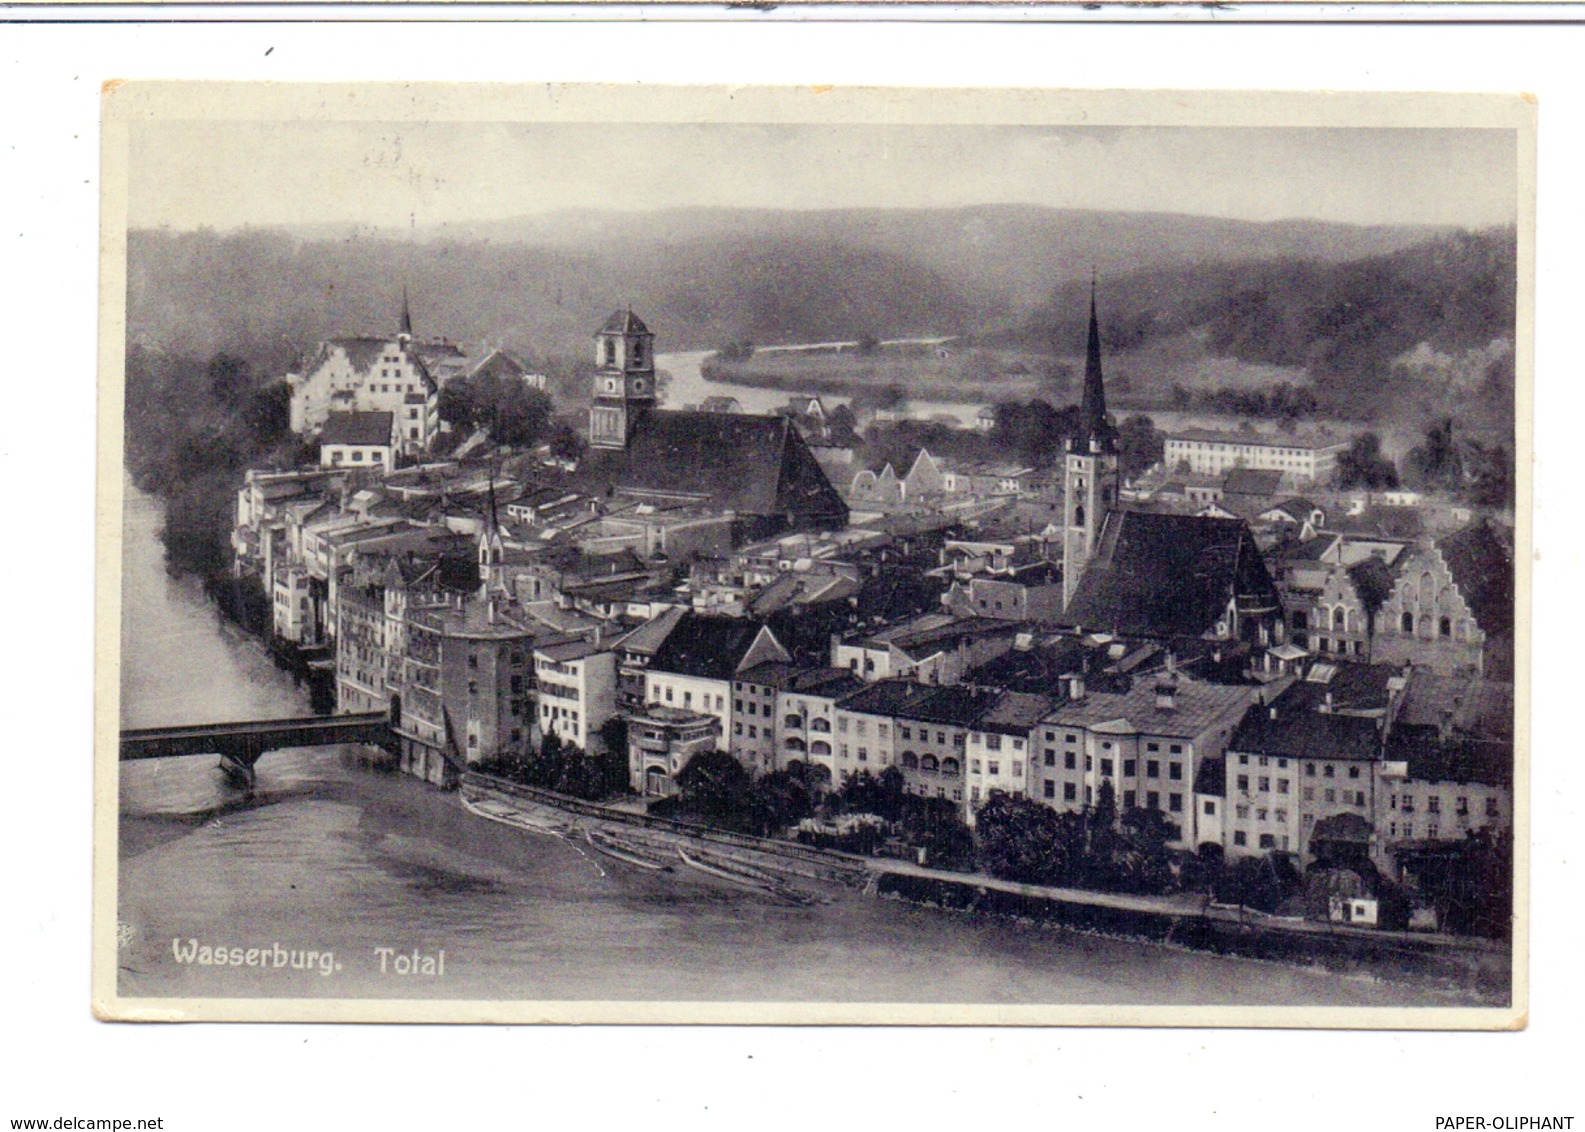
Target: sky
x=184 y=174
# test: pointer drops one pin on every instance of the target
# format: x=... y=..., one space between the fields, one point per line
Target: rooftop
x=707 y=645
x=1212 y=436
x=1289 y=728
x=357 y=428
x=1169 y=575
x=1196 y=708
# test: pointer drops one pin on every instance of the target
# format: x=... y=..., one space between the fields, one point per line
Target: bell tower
x=624 y=379
x=1090 y=476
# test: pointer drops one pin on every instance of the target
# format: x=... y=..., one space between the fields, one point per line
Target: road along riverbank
x=1184 y=920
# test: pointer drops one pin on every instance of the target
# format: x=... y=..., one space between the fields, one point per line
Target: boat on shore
x=624 y=851
x=745 y=875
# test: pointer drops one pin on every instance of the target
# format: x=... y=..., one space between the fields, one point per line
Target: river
x=689 y=387
x=328 y=855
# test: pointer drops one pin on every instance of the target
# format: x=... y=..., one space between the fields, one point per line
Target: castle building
x=757 y=468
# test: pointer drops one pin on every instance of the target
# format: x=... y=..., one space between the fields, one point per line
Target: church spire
x=1092 y=409
x=407 y=314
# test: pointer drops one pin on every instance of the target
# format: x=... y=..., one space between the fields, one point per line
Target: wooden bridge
x=241 y=745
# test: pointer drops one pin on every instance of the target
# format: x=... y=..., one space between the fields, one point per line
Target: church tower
x=1090 y=476
x=624 y=379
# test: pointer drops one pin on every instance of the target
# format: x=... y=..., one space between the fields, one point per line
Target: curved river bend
x=330 y=856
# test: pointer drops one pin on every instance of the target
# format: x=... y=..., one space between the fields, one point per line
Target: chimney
x=1076 y=686
x=1326 y=705
x=1273 y=711
x=1166 y=696
x=493 y=608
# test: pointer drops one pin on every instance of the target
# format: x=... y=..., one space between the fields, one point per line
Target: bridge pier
x=240 y=773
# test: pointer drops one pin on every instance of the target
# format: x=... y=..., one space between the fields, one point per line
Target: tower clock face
x=638 y=385
x=610 y=385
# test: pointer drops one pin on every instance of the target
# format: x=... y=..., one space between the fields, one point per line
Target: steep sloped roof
x=706 y=645
x=1168 y=575
x=1299 y=733
x=357 y=428
x=1482 y=568
x=624 y=322
x=1251 y=481
x=754 y=465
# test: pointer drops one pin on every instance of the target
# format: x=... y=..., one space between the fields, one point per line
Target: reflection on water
x=329 y=855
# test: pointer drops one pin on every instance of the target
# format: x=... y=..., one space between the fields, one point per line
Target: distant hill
x=1004 y=257
x=702 y=277
x=1434 y=320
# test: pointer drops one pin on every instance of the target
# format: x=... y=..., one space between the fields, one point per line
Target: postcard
x=813 y=555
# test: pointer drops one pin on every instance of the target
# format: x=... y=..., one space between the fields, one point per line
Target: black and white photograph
x=772 y=554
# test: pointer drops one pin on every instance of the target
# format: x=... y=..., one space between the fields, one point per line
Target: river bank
x=1184 y=921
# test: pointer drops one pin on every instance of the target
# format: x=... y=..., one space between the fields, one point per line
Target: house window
x=1152 y=746
x=1050 y=789
x=1089 y=763
x=1152 y=768
x=1152 y=800
x=1051 y=758
x=1175 y=771
x=1129 y=766
x=1239 y=838
x=1070 y=760
x=994 y=767
x=1243 y=782
x=1491 y=807
x=1175 y=803
x=1265 y=784
x=1070 y=792
x=1210 y=808
x=1433 y=804
x=1106 y=767
x=1175 y=749
x=1353 y=772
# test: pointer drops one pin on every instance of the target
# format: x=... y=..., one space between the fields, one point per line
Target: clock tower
x=624 y=379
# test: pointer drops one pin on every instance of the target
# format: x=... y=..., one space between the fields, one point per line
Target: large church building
x=1149 y=574
x=757 y=468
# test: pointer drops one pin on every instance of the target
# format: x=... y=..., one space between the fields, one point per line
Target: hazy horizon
x=190 y=174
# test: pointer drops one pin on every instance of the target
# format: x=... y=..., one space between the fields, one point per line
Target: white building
x=576 y=683
x=358 y=440
x=1208 y=453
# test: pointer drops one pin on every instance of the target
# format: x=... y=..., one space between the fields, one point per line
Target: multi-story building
x=697 y=664
x=576 y=686
x=634 y=653
x=1448 y=599
x=466 y=694
x=661 y=740
x=1370 y=763
x=361 y=441
x=1148 y=742
x=1210 y=453
x=1001 y=749
x=1290 y=768
x=806 y=707
x=372 y=374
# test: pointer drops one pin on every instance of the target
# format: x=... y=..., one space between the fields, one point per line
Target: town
x=1223 y=671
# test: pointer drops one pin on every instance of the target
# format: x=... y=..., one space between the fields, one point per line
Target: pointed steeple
x=1092 y=409
x=407 y=314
